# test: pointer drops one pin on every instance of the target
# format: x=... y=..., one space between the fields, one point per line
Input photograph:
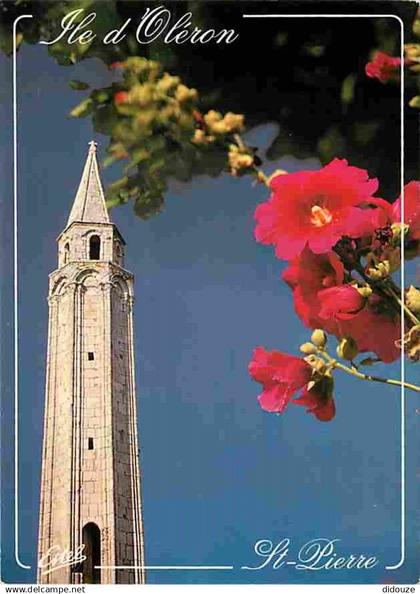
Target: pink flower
x=411 y=209
x=323 y=301
x=120 y=97
x=316 y=209
x=375 y=328
x=308 y=274
x=342 y=302
x=318 y=400
x=370 y=322
x=281 y=375
x=383 y=67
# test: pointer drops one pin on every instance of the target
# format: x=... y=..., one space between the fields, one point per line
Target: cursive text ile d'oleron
x=155 y=23
x=315 y=555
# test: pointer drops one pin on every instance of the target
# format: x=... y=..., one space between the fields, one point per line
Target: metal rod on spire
x=92 y=146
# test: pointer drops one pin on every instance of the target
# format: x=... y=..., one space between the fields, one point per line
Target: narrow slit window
x=66 y=253
x=94 y=248
x=91 y=356
x=90 y=443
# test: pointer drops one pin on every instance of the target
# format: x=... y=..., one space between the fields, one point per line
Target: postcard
x=210 y=294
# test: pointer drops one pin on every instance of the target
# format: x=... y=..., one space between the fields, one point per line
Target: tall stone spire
x=90 y=504
x=89 y=205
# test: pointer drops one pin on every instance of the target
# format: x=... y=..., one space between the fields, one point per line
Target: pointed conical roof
x=89 y=205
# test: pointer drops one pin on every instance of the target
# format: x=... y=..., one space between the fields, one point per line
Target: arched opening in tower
x=91 y=537
x=94 y=248
x=66 y=253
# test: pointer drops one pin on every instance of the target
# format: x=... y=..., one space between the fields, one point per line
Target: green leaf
x=78 y=85
x=139 y=155
x=113 y=201
x=331 y=144
x=108 y=161
x=416 y=26
x=347 y=89
x=148 y=204
x=101 y=95
x=83 y=109
x=105 y=119
x=117 y=185
x=316 y=51
x=364 y=132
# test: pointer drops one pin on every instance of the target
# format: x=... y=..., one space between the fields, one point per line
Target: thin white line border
x=16 y=287
x=402 y=417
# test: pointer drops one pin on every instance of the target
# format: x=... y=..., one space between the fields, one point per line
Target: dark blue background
x=218 y=473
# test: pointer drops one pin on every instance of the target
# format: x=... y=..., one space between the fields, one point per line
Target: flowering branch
x=328 y=225
x=341 y=242
x=382 y=257
x=371 y=378
x=407 y=310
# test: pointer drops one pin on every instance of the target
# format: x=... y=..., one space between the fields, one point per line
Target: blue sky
x=218 y=473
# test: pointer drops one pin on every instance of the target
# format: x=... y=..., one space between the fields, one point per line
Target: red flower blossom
x=374 y=328
x=383 y=67
x=322 y=301
x=411 y=209
x=316 y=209
x=198 y=117
x=340 y=303
x=281 y=375
x=115 y=65
x=308 y=274
x=318 y=400
x=120 y=97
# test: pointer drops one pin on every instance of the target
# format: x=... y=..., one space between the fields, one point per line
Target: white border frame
x=16 y=288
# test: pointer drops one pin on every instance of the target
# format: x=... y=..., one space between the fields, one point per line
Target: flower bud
x=397 y=230
x=167 y=83
x=308 y=348
x=311 y=360
x=316 y=363
x=380 y=271
x=239 y=160
x=212 y=117
x=319 y=338
x=347 y=349
x=183 y=94
x=234 y=122
x=411 y=343
x=365 y=291
x=320 y=366
x=412 y=51
x=412 y=299
x=413 y=350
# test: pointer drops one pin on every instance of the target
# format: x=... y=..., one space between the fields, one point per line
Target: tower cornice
x=88 y=224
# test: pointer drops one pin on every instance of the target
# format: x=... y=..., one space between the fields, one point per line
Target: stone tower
x=90 y=488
